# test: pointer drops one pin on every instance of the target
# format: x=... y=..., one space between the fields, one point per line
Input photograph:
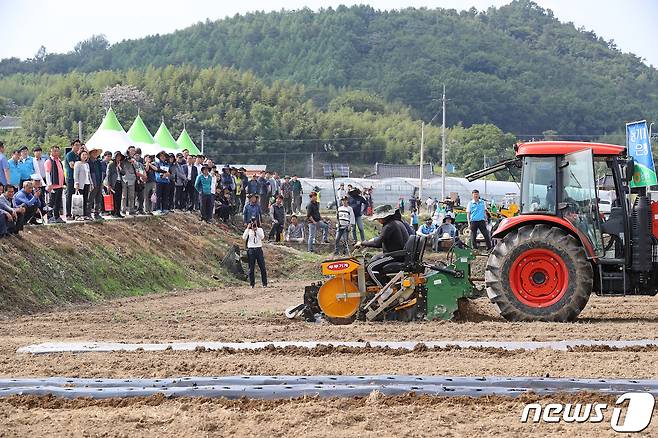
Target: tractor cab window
x=578 y=197
x=538 y=185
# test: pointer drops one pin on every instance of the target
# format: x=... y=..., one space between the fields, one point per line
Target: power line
x=564 y=135
x=252 y=154
x=334 y=139
x=293 y=140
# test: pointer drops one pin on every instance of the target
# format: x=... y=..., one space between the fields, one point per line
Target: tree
x=40 y=56
x=119 y=94
x=7 y=106
x=469 y=147
x=516 y=66
x=358 y=101
x=94 y=44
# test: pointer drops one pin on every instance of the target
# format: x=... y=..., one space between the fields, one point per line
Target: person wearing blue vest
x=14 y=168
x=25 y=165
x=476 y=214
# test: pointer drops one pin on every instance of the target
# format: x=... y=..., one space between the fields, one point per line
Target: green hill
x=516 y=66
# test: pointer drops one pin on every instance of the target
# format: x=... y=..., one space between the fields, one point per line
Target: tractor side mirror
x=630 y=169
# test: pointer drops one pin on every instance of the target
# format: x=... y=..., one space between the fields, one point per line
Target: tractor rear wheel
x=539 y=273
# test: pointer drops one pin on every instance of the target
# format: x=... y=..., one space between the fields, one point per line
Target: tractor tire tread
x=497 y=284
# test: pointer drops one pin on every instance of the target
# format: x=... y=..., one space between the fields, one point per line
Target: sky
x=59 y=24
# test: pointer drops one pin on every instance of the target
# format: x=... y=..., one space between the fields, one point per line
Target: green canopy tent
x=142 y=138
x=163 y=138
x=110 y=135
x=185 y=142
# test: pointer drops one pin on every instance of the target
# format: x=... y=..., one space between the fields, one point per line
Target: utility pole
x=80 y=130
x=443 y=147
x=202 y=141
x=313 y=168
x=422 y=148
x=485 y=178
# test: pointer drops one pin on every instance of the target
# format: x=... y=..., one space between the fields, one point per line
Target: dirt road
x=245 y=314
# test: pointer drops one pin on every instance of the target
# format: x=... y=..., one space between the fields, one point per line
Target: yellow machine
x=347 y=295
x=414 y=291
x=340 y=297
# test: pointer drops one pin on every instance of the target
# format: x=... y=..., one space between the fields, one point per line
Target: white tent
x=141 y=138
x=110 y=136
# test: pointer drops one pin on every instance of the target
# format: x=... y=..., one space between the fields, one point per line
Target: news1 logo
x=637 y=416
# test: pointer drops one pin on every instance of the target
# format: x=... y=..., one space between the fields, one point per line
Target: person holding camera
x=254 y=236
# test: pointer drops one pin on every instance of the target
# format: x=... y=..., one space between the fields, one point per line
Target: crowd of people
x=440 y=222
x=83 y=184
x=281 y=201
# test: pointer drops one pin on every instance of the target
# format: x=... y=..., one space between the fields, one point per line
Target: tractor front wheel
x=539 y=273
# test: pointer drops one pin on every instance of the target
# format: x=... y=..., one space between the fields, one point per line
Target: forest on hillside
x=279 y=86
x=246 y=120
x=515 y=66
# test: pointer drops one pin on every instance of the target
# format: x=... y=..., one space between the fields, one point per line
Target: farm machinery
x=550 y=258
x=415 y=290
x=547 y=260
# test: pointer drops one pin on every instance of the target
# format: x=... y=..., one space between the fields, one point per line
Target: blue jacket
x=253 y=186
x=357 y=203
x=263 y=187
x=14 y=173
x=26 y=168
x=159 y=177
x=227 y=180
x=251 y=210
x=96 y=171
x=28 y=199
x=427 y=230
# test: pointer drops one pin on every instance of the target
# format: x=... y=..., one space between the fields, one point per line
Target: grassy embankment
x=54 y=265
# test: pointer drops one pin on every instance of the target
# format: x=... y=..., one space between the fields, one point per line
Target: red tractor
x=549 y=259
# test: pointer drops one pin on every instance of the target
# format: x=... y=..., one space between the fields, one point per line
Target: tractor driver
x=393 y=237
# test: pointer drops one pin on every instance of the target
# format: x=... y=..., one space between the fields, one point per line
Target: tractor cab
x=560 y=180
x=561 y=248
